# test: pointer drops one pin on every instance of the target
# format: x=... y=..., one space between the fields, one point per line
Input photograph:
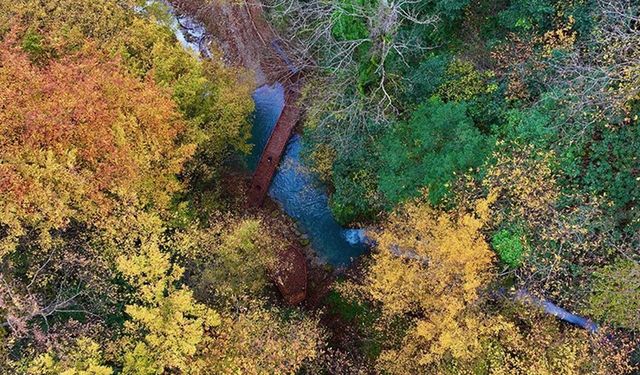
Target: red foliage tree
x=78 y=138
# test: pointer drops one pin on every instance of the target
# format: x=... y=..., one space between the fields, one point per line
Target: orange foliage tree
x=79 y=138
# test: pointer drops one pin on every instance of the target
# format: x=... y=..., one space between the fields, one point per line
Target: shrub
x=616 y=294
x=509 y=247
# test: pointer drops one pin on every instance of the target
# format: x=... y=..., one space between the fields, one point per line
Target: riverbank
x=243 y=36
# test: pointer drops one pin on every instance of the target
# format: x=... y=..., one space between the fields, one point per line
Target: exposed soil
x=241 y=32
x=317 y=279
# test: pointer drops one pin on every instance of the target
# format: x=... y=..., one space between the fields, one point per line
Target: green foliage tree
x=509 y=246
x=355 y=195
x=608 y=167
x=346 y=24
x=615 y=294
x=425 y=79
x=450 y=9
x=428 y=151
x=524 y=15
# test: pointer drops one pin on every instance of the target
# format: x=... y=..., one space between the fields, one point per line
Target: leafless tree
x=315 y=47
x=602 y=73
x=20 y=304
x=62 y=279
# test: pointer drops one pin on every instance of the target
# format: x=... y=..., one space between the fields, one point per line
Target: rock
x=291 y=281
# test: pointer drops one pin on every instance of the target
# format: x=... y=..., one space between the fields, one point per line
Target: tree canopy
x=483 y=154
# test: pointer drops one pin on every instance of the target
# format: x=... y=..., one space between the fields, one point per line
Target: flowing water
x=304 y=199
x=297 y=190
x=294 y=187
x=269 y=102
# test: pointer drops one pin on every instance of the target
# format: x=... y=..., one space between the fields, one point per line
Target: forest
x=320 y=187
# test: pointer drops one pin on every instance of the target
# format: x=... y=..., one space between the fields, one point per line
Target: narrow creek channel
x=294 y=187
x=299 y=192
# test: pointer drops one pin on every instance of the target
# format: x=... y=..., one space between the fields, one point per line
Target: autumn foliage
x=486 y=153
x=431 y=265
x=111 y=137
x=431 y=275
x=78 y=140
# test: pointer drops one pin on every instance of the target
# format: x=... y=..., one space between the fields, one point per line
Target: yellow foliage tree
x=170 y=322
x=429 y=265
x=526 y=184
x=231 y=259
x=428 y=271
x=83 y=358
x=260 y=341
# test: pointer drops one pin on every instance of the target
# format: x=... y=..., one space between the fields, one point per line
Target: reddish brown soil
x=291 y=275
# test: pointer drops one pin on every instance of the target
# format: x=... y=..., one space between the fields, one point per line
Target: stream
x=294 y=187
x=298 y=191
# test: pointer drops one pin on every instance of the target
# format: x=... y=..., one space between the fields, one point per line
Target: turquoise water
x=303 y=198
x=269 y=101
x=297 y=190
